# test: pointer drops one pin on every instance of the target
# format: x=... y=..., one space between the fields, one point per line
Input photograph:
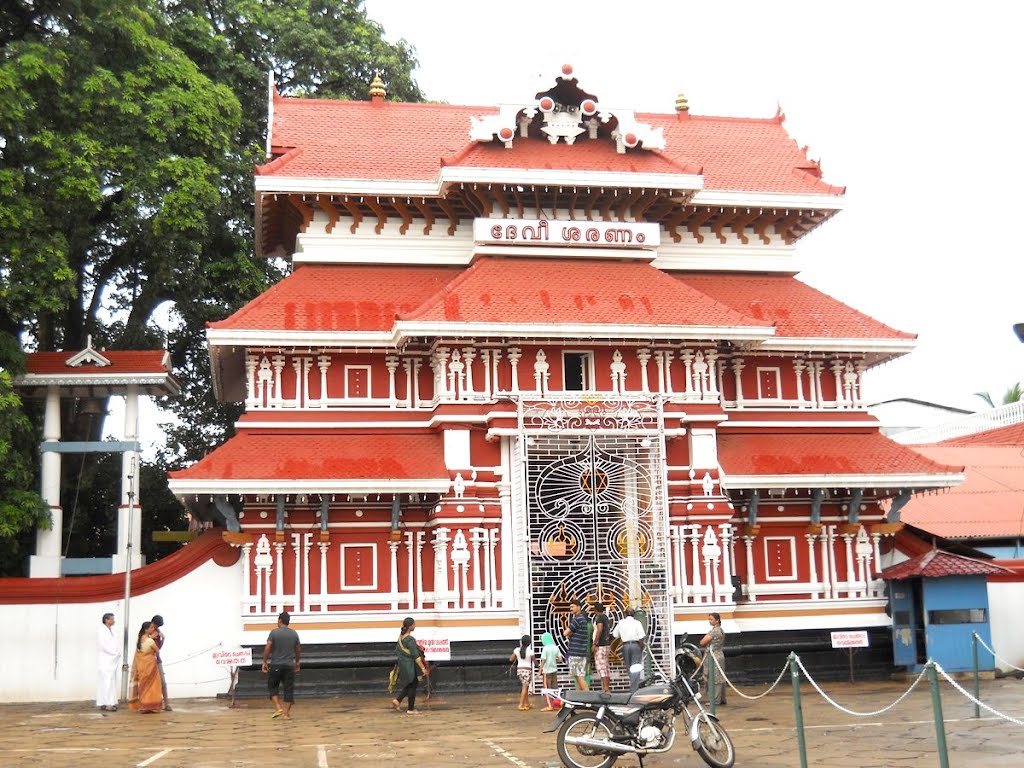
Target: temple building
x=546 y=351
x=526 y=354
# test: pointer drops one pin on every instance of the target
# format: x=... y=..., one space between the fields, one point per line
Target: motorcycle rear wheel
x=574 y=756
x=713 y=744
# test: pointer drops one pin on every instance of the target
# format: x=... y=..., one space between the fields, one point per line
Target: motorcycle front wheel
x=713 y=744
x=578 y=756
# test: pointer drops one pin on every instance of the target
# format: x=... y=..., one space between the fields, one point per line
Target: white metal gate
x=595 y=522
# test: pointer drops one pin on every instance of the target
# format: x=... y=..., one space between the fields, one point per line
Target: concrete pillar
x=47 y=559
x=129 y=511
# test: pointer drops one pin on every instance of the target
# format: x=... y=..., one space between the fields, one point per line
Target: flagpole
x=128 y=581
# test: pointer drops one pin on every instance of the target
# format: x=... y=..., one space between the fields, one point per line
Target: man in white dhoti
x=108 y=659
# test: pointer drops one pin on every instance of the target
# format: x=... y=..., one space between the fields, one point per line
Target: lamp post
x=127 y=580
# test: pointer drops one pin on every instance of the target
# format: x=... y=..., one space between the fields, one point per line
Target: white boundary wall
x=51 y=650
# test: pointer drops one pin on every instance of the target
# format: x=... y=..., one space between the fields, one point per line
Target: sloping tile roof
x=936 y=564
x=278 y=455
x=151 y=361
x=362 y=297
x=990 y=501
x=868 y=453
x=400 y=141
x=1012 y=434
x=529 y=290
x=795 y=308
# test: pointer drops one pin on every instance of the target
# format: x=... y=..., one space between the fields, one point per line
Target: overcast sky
x=914 y=107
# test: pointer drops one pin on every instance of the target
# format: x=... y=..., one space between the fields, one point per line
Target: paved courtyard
x=488 y=730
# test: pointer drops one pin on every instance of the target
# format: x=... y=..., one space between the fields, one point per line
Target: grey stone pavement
x=488 y=730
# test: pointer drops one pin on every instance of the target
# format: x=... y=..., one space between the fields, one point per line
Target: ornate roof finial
x=377 y=92
x=682 y=105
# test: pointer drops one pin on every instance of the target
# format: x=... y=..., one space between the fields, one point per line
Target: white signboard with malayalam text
x=232 y=657
x=567 y=232
x=858 y=639
x=436 y=648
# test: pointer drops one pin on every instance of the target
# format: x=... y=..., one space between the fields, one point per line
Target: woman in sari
x=147 y=694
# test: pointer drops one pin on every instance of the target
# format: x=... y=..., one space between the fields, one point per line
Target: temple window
x=578 y=371
x=357 y=381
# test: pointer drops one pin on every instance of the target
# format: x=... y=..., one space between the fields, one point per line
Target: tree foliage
x=128 y=132
x=1012 y=395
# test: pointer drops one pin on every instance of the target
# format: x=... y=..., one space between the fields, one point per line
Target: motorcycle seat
x=595 y=698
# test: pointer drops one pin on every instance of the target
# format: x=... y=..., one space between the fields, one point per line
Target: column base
x=44 y=566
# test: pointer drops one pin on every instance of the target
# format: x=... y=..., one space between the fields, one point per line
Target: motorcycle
x=596 y=728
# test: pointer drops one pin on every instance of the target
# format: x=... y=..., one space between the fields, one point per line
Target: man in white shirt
x=631 y=633
x=108 y=659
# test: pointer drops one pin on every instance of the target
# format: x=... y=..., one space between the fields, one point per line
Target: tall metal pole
x=127 y=581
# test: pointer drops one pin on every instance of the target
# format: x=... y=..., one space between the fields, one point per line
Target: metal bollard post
x=710 y=661
x=940 y=725
x=977 y=679
x=794 y=675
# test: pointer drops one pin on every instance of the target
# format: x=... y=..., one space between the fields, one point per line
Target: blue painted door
x=955 y=608
x=904 y=624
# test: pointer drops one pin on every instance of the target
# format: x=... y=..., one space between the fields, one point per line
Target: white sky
x=914 y=107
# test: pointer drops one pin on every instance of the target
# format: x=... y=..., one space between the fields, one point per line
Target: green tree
x=1012 y=395
x=128 y=132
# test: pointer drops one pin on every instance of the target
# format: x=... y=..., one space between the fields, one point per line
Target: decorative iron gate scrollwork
x=595 y=515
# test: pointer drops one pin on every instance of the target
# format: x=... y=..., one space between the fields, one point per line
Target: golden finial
x=377 y=88
x=682 y=105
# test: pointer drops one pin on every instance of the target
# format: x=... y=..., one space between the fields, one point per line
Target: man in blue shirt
x=577 y=649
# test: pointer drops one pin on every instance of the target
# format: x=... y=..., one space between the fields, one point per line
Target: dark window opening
x=576 y=371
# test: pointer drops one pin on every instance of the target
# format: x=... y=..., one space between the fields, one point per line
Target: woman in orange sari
x=147 y=694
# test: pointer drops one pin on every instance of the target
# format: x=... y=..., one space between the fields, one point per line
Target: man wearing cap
x=281 y=657
x=631 y=633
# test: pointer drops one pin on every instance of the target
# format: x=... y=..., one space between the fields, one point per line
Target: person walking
x=108 y=659
x=714 y=641
x=282 y=656
x=631 y=633
x=410 y=656
x=578 y=641
x=158 y=636
x=602 y=641
x=523 y=657
x=550 y=657
x=146 y=695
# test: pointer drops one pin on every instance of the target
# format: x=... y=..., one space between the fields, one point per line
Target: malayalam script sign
x=857 y=639
x=436 y=648
x=233 y=657
x=595 y=234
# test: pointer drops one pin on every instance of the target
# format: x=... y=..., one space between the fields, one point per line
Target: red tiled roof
x=401 y=141
x=795 y=308
x=1012 y=434
x=254 y=455
x=525 y=290
x=868 y=453
x=935 y=564
x=988 y=504
x=362 y=297
x=153 y=361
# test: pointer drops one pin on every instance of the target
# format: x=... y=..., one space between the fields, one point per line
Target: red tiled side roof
x=526 y=290
x=1012 y=434
x=795 y=308
x=988 y=504
x=822 y=454
x=935 y=564
x=253 y=455
x=401 y=141
x=154 y=361
x=362 y=297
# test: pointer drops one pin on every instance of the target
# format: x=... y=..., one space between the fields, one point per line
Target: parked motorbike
x=596 y=728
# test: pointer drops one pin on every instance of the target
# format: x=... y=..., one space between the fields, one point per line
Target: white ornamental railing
x=1003 y=416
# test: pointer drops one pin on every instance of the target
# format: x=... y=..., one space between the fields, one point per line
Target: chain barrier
x=976 y=702
x=192 y=656
x=997 y=658
x=720 y=675
x=840 y=707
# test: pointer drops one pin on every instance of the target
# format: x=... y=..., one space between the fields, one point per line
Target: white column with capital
x=129 y=512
